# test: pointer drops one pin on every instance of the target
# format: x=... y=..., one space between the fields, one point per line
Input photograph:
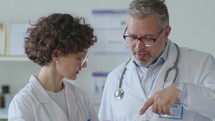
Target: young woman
x=59 y=44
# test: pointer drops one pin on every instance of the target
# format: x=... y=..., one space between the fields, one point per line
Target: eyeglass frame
x=141 y=38
x=85 y=60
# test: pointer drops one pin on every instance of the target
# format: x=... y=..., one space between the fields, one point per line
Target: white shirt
x=60 y=99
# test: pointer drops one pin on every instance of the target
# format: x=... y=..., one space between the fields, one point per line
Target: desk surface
x=3 y=113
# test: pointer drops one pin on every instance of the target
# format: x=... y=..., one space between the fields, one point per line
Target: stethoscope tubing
x=123 y=73
x=174 y=67
x=119 y=93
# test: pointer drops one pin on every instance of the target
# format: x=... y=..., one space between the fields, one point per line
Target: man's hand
x=162 y=100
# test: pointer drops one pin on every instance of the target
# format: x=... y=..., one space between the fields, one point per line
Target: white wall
x=25 y=10
x=16 y=73
x=192 y=24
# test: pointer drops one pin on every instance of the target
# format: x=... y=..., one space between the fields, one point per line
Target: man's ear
x=167 y=32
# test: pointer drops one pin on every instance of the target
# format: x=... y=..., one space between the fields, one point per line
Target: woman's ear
x=55 y=55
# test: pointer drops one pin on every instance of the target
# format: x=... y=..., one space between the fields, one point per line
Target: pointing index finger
x=146 y=106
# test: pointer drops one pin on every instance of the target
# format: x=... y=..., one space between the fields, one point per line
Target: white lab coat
x=196 y=70
x=32 y=103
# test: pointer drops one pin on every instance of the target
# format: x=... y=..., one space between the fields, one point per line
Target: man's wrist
x=179 y=86
x=183 y=93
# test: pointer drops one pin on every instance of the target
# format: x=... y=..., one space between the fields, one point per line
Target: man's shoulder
x=188 y=52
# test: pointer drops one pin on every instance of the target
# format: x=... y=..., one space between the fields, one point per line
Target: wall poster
x=109 y=27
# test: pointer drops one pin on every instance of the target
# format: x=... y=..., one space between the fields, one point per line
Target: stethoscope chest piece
x=119 y=93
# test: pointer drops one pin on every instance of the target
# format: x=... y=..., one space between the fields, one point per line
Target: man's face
x=144 y=29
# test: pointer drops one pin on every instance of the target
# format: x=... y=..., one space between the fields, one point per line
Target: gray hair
x=144 y=8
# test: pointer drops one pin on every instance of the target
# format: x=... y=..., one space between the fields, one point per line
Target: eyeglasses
x=147 y=41
x=85 y=60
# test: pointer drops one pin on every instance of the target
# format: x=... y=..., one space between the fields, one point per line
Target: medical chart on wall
x=109 y=27
x=99 y=79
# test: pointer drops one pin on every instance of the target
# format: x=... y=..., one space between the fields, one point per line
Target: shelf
x=14 y=59
x=3 y=113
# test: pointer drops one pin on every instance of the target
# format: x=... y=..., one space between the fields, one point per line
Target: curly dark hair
x=57 y=31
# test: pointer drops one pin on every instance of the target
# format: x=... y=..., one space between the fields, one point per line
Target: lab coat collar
x=43 y=97
x=170 y=59
x=72 y=107
x=133 y=79
x=172 y=54
x=39 y=91
x=41 y=94
x=56 y=113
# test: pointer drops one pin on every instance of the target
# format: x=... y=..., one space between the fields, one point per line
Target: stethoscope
x=119 y=93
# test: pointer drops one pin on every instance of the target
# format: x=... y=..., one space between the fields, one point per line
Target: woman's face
x=70 y=65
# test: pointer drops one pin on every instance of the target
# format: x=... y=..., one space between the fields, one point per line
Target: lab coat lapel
x=72 y=103
x=160 y=78
x=134 y=81
x=58 y=113
x=53 y=110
